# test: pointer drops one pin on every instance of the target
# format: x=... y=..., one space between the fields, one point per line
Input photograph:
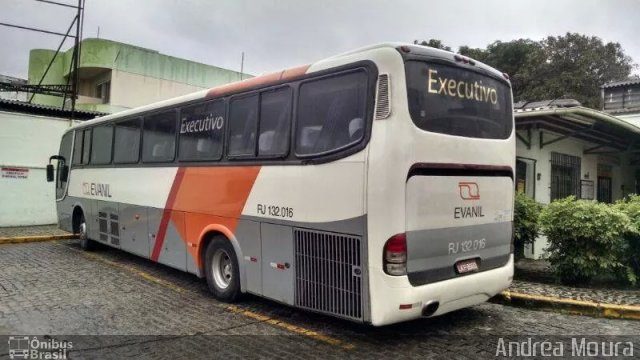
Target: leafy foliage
x=525 y=222
x=631 y=207
x=434 y=43
x=586 y=239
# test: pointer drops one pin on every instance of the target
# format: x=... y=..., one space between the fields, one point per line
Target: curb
x=28 y=239
x=571 y=306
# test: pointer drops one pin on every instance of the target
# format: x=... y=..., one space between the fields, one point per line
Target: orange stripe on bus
x=166 y=214
x=262 y=80
x=209 y=196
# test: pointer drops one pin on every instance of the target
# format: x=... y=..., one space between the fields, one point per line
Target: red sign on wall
x=14 y=173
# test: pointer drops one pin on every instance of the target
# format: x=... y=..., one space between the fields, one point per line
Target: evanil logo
x=96 y=189
x=25 y=347
x=468 y=191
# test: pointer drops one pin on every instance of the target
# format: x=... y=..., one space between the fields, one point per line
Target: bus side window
x=159 y=137
x=77 y=147
x=331 y=113
x=126 y=148
x=243 y=124
x=275 y=122
x=86 y=146
x=102 y=141
x=201 y=131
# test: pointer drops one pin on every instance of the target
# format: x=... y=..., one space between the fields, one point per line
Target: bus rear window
x=454 y=101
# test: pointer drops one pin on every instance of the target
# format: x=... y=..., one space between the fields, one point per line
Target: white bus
x=376 y=185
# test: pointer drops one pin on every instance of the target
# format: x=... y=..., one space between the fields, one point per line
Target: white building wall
x=26 y=142
x=632 y=118
x=18 y=96
x=130 y=90
x=623 y=177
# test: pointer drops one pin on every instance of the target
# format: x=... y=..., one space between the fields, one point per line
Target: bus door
x=61 y=175
x=62 y=166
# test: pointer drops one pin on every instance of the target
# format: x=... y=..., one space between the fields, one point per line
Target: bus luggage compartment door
x=457 y=225
x=277 y=262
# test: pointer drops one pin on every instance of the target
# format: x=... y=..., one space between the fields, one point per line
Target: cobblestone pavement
x=39 y=230
x=535 y=277
x=622 y=297
x=55 y=288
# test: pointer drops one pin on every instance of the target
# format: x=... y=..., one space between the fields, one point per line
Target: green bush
x=525 y=222
x=631 y=207
x=586 y=239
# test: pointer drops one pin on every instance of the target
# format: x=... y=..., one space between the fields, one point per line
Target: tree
x=434 y=43
x=569 y=66
x=521 y=59
x=474 y=53
x=577 y=65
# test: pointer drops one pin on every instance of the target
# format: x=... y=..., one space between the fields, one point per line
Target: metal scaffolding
x=70 y=89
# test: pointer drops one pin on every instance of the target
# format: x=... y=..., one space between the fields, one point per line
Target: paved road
x=55 y=288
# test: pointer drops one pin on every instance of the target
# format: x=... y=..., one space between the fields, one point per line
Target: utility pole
x=76 y=59
x=242 y=67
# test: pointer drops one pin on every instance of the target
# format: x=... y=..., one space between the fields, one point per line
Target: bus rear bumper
x=395 y=300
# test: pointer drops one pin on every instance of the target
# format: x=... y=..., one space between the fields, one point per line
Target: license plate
x=465 y=266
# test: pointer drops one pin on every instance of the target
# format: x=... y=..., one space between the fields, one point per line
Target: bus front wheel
x=223 y=274
x=81 y=229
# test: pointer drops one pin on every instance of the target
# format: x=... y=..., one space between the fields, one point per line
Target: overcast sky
x=276 y=34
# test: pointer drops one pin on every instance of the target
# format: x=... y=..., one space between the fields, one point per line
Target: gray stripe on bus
x=353 y=226
x=432 y=252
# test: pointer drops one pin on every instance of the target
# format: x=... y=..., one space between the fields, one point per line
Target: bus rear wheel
x=221 y=266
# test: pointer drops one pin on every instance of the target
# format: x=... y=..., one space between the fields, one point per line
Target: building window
x=565 y=176
x=103 y=91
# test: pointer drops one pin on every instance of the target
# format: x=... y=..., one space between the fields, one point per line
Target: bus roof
x=275 y=77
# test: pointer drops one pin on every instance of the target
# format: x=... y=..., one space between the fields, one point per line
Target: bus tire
x=221 y=266
x=85 y=243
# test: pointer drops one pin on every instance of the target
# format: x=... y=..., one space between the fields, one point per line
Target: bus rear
x=440 y=191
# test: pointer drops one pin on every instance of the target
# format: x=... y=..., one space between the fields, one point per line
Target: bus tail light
x=395 y=255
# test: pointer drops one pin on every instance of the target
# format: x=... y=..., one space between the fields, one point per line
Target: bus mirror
x=49 y=173
x=64 y=173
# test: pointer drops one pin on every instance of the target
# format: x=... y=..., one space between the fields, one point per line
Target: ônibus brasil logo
x=31 y=347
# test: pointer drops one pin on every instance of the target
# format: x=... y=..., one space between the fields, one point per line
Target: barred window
x=565 y=176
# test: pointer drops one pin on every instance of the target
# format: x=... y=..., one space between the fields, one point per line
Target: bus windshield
x=454 y=101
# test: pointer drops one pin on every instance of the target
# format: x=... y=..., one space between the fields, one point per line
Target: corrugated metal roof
x=629 y=81
x=46 y=110
x=555 y=103
x=581 y=123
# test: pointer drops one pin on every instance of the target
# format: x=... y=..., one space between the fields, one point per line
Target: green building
x=114 y=76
